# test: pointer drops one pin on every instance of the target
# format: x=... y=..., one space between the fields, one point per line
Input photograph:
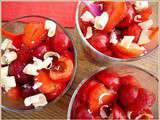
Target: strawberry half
x=99 y=96
x=14 y=93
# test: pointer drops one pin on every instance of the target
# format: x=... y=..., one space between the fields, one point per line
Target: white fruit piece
x=51 y=54
x=8 y=57
x=8 y=82
x=146 y=24
x=89 y=33
x=144 y=37
x=51 y=27
x=37 y=85
x=126 y=41
x=36 y=100
x=137 y=47
x=87 y=17
x=4 y=71
x=139 y=5
x=101 y=21
x=6 y=44
x=31 y=69
x=113 y=38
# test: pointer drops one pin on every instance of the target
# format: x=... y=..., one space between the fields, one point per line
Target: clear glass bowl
x=146 y=79
x=98 y=56
x=17 y=26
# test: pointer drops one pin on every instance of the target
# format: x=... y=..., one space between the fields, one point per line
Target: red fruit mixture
x=131 y=19
x=48 y=52
x=108 y=95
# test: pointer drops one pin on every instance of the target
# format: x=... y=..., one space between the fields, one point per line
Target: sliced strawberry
x=99 y=41
x=127 y=94
x=14 y=93
x=145 y=13
x=83 y=113
x=48 y=86
x=122 y=52
x=154 y=39
x=144 y=100
x=58 y=90
x=16 y=69
x=118 y=113
x=62 y=70
x=116 y=14
x=16 y=38
x=68 y=54
x=86 y=89
x=145 y=115
x=111 y=80
x=133 y=30
x=33 y=33
x=129 y=17
x=99 y=96
x=108 y=52
x=40 y=51
x=61 y=42
x=129 y=80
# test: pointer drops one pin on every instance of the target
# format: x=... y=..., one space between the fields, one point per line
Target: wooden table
x=85 y=68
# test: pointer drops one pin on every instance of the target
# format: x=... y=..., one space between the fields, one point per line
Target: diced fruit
x=99 y=41
x=83 y=113
x=33 y=33
x=129 y=17
x=16 y=38
x=133 y=51
x=118 y=113
x=129 y=80
x=61 y=42
x=127 y=94
x=27 y=90
x=16 y=69
x=145 y=13
x=48 y=86
x=68 y=54
x=62 y=70
x=99 y=96
x=116 y=14
x=144 y=100
x=24 y=55
x=40 y=51
x=86 y=89
x=153 y=39
x=58 y=90
x=133 y=30
x=111 y=80
x=14 y=93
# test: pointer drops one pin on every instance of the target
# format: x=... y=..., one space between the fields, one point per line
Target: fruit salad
x=109 y=95
x=124 y=32
x=37 y=64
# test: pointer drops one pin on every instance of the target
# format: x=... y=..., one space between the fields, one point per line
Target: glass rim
x=73 y=74
x=112 y=59
x=95 y=72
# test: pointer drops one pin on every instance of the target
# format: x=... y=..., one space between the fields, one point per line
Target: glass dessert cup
x=16 y=26
x=98 y=56
x=147 y=81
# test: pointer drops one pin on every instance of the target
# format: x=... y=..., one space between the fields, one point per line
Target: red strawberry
x=100 y=95
x=14 y=93
x=127 y=94
x=61 y=41
x=134 y=30
x=62 y=70
x=40 y=51
x=86 y=89
x=27 y=90
x=83 y=113
x=118 y=113
x=68 y=54
x=111 y=80
x=48 y=86
x=129 y=17
x=16 y=69
x=33 y=33
x=58 y=90
x=129 y=80
x=144 y=100
x=99 y=41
